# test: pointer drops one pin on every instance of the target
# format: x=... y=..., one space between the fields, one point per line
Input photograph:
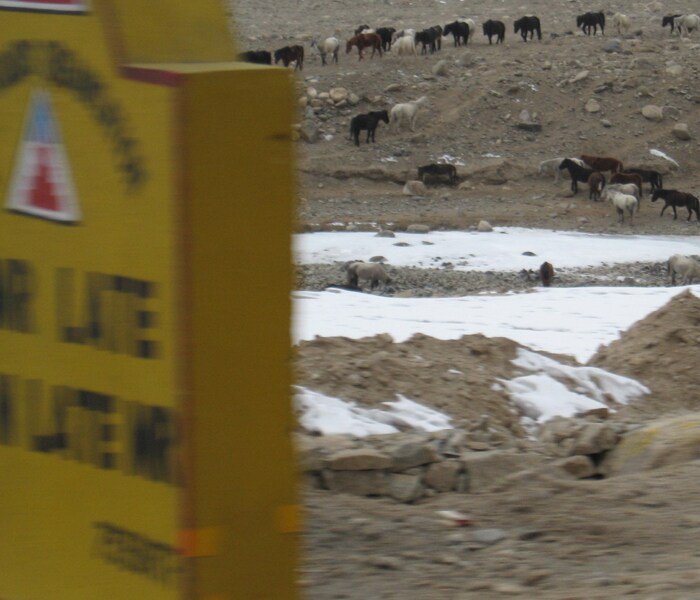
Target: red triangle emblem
x=42 y=184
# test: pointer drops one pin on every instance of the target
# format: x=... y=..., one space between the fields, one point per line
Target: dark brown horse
x=291 y=54
x=365 y=40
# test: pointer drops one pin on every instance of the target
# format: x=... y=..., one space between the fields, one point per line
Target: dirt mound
x=661 y=352
x=457 y=377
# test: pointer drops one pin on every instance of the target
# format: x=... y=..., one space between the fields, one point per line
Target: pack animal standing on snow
x=546 y=274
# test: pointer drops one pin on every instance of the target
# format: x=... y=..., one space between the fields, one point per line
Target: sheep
x=621 y=23
x=405 y=45
x=688 y=268
x=546 y=274
x=407 y=111
x=622 y=203
x=361 y=271
x=330 y=45
x=596 y=183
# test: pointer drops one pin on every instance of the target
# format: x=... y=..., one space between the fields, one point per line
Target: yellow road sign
x=145 y=268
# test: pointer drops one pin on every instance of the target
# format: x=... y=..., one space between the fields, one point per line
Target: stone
x=675 y=70
x=405 y=488
x=486 y=469
x=442 y=476
x=353 y=99
x=653 y=112
x=594 y=438
x=358 y=483
x=412 y=454
x=441 y=68
x=580 y=76
x=415 y=188
x=417 y=228
x=338 y=94
x=309 y=132
x=484 y=226
x=489 y=536
x=660 y=443
x=680 y=131
x=311 y=92
x=385 y=233
x=576 y=466
x=361 y=459
x=614 y=45
x=592 y=106
x=393 y=87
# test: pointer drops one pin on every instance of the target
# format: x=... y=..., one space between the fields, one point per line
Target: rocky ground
x=541 y=535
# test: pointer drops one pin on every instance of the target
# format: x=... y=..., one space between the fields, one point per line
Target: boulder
x=415 y=188
x=484 y=226
x=680 y=131
x=358 y=483
x=486 y=469
x=441 y=68
x=361 y=459
x=653 y=112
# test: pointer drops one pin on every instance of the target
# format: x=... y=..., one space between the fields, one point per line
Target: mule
x=365 y=40
x=459 y=31
x=367 y=121
x=674 y=198
x=591 y=20
x=496 y=28
x=526 y=25
x=291 y=54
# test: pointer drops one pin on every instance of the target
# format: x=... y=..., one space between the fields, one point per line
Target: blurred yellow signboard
x=146 y=190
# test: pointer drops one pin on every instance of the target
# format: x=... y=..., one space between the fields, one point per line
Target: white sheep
x=406 y=111
x=621 y=23
x=328 y=46
x=405 y=45
x=361 y=271
x=688 y=268
x=622 y=203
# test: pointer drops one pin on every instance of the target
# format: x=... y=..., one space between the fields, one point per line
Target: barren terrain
x=626 y=536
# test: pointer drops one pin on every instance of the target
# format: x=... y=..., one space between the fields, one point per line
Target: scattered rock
x=653 y=112
x=484 y=226
x=415 y=188
x=680 y=131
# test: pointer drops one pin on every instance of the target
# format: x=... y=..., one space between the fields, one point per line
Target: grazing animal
x=438 y=35
x=434 y=171
x=362 y=29
x=261 y=57
x=628 y=178
x=387 y=34
x=368 y=121
x=602 y=163
x=427 y=39
x=687 y=23
x=622 y=203
x=576 y=172
x=670 y=20
x=459 y=30
x=551 y=166
x=625 y=188
x=405 y=45
x=365 y=40
x=330 y=45
x=496 y=28
x=650 y=176
x=674 y=198
x=404 y=33
x=621 y=23
x=688 y=268
x=596 y=183
x=291 y=54
x=472 y=26
x=361 y=271
x=406 y=111
x=526 y=25
x=546 y=274
x=591 y=20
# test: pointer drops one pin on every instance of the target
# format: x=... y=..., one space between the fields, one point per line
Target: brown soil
x=628 y=536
